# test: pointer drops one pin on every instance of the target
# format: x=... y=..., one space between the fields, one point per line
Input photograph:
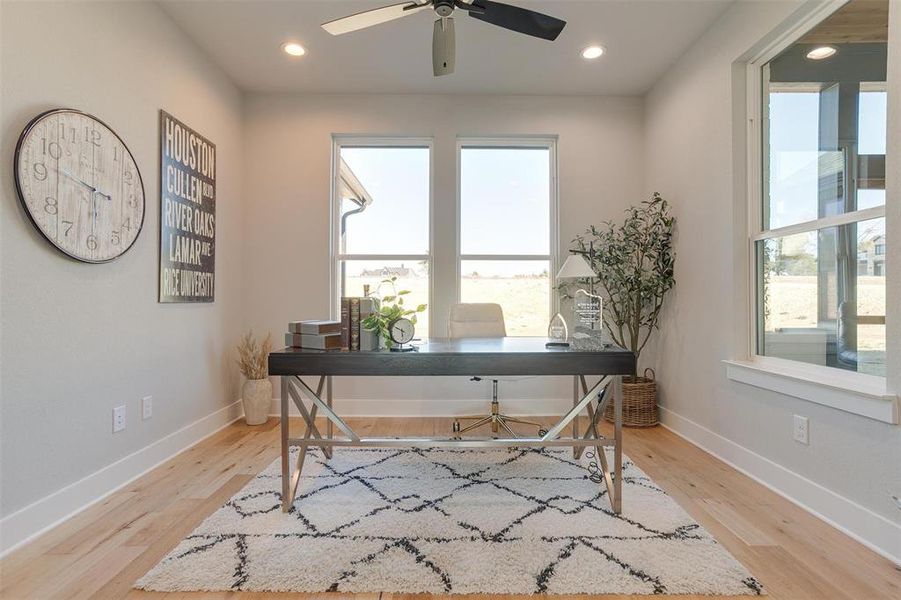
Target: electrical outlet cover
x=119 y=419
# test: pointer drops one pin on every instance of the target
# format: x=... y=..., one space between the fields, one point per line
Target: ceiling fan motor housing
x=444 y=8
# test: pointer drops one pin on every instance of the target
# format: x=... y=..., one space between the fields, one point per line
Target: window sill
x=856 y=393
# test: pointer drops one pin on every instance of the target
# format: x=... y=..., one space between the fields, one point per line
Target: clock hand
x=86 y=184
x=81 y=181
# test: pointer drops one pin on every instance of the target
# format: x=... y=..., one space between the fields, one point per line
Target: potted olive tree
x=634 y=262
x=253 y=361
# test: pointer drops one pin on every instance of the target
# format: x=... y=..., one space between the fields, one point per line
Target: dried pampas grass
x=253 y=360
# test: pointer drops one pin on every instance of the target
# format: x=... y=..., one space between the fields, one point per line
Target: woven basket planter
x=639 y=401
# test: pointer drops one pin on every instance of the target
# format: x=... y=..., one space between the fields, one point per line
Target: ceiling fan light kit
x=520 y=20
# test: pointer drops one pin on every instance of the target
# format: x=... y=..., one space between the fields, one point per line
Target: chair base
x=496 y=420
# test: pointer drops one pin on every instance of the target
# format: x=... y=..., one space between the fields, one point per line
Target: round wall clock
x=80 y=185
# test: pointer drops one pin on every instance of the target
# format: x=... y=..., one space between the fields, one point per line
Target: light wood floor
x=101 y=552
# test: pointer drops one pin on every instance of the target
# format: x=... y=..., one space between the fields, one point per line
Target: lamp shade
x=575 y=267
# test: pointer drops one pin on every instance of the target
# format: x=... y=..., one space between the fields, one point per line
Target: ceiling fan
x=510 y=17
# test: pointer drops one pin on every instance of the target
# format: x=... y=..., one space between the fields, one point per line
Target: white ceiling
x=643 y=38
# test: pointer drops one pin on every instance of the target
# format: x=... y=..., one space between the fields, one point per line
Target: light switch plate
x=800 y=430
x=146 y=407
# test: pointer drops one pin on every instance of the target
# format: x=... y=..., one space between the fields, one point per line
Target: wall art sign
x=187 y=213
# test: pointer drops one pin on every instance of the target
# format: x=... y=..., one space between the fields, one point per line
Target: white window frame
x=858 y=393
x=335 y=255
x=512 y=142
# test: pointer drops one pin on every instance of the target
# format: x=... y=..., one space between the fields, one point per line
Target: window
x=817 y=310
x=819 y=243
x=496 y=231
x=507 y=221
x=381 y=219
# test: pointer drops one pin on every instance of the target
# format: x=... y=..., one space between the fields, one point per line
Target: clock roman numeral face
x=80 y=185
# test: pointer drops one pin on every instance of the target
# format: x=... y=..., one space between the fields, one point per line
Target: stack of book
x=321 y=335
x=346 y=334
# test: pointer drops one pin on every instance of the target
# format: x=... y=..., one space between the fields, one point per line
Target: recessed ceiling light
x=592 y=52
x=294 y=49
x=821 y=52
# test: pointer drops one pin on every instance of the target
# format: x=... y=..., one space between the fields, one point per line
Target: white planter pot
x=257 y=396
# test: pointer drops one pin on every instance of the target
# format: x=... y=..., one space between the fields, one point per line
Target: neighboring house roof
x=388 y=271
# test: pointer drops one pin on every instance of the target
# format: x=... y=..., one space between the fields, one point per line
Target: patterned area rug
x=452 y=521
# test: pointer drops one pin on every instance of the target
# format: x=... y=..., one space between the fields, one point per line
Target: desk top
x=464 y=356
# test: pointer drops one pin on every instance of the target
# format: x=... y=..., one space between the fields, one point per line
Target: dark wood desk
x=466 y=357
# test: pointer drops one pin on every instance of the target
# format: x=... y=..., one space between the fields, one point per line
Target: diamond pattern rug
x=521 y=521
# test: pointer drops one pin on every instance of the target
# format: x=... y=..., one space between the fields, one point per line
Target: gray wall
x=288 y=145
x=79 y=339
x=691 y=157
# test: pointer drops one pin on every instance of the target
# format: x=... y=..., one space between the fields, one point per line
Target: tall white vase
x=257 y=396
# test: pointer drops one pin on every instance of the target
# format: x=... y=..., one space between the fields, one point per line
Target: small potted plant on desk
x=635 y=264
x=256 y=395
x=393 y=322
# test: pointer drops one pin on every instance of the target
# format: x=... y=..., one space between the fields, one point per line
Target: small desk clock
x=401 y=333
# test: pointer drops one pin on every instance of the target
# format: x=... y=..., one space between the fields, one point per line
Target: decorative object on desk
x=526 y=521
x=256 y=395
x=635 y=263
x=316 y=341
x=401 y=332
x=369 y=340
x=353 y=335
x=187 y=213
x=354 y=324
x=584 y=338
x=315 y=327
x=586 y=304
x=587 y=308
x=90 y=210
x=388 y=309
x=557 y=333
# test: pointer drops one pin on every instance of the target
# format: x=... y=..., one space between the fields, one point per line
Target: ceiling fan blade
x=518 y=19
x=443 y=47
x=372 y=17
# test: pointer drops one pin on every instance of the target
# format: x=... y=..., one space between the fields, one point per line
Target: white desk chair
x=474 y=321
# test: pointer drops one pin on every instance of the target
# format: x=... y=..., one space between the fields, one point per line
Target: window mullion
x=856 y=216
x=503 y=257
x=383 y=257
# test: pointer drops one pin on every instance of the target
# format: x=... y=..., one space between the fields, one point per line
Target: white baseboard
x=31 y=521
x=870 y=529
x=356 y=407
